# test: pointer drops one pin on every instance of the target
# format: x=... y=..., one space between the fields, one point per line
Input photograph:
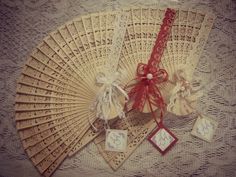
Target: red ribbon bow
x=149 y=76
x=146 y=88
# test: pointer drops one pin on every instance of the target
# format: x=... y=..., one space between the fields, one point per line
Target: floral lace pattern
x=25 y=22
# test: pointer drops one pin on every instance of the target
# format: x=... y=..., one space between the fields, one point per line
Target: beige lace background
x=24 y=23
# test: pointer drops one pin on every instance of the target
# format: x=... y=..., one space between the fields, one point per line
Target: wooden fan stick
x=39 y=153
x=43 y=92
x=71 y=50
x=58 y=69
x=183 y=15
x=42 y=134
x=50 y=71
x=45 y=81
x=65 y=57
x=81 y=55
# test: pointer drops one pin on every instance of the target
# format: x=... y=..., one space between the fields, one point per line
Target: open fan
x=57 y=86
x=189 y=34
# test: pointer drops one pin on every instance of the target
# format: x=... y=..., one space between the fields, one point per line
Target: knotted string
x=149 y=76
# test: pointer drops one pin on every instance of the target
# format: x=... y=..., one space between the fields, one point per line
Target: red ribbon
x=149 y=76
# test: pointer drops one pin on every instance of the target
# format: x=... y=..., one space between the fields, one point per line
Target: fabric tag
x=163 y=139
x=116 y=140
x=204 y=128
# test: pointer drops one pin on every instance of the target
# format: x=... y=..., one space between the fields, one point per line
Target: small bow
x=146 y=89
x=108 y=96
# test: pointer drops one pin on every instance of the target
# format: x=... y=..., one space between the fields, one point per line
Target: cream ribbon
x=108 y=96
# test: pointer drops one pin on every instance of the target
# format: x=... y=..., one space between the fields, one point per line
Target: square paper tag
x=116 y=140
x=163 y=139
x=204 y=128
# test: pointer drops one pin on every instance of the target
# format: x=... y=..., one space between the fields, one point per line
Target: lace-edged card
x=57 y=86
x=204 y=128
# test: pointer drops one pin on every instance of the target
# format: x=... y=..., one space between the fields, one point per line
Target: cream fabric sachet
x=183 y=96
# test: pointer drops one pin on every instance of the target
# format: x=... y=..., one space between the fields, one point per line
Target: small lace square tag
x=163 y=139
x=204 y=128
x=116 y=140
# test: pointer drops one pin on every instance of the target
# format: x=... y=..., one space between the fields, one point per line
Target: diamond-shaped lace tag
x=204 y=128
x=116 y=140
x=163 y=139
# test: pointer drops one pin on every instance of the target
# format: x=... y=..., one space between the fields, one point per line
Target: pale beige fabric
x=23 y=25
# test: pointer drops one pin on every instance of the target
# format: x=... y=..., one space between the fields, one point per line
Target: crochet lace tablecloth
x=24 y=23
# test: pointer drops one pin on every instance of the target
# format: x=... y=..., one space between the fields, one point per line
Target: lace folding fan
x=57 y=89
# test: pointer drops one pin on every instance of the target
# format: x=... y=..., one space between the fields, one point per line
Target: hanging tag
x=163 y=139
x=204 y=128
x=116 y=140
